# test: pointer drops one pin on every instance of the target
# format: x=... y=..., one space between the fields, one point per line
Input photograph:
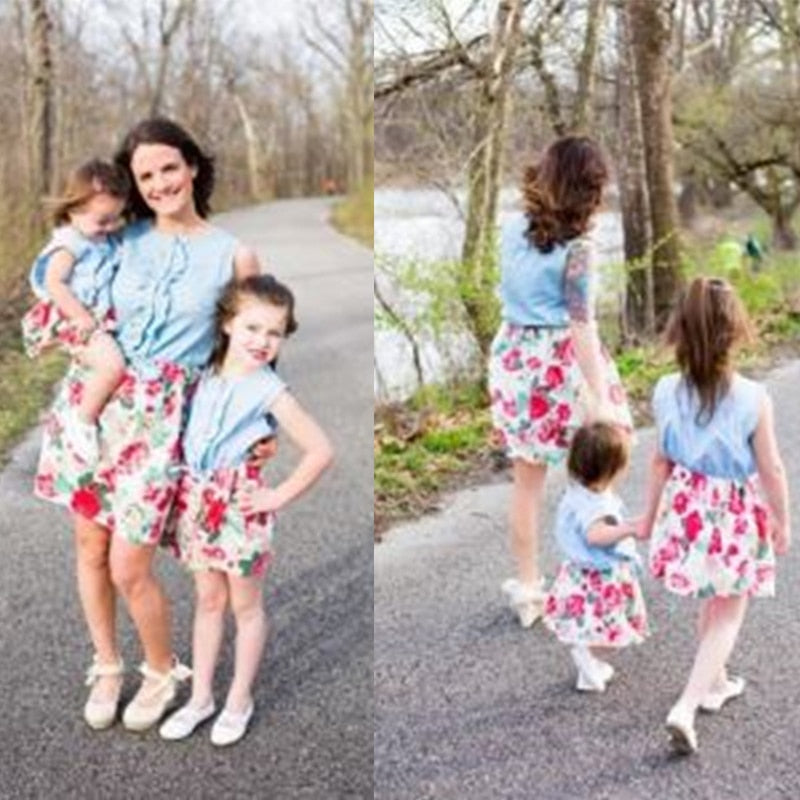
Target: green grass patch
x=26 y=387
x=355 y=216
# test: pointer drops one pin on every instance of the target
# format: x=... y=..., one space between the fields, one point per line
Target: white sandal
x=184 y=721
x=100 y=714
x=152 y=700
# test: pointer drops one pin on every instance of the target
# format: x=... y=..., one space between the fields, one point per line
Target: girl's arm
x=660 y=467
x=582 y=326
x=605 y=532
x=317 y=456
x=245 y=263
x=58 y=271
x=772 y=475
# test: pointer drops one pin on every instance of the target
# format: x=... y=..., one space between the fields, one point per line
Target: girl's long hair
x=563 y=190
x=260 y=287
x=707 y=322
x=160 y=130
x=83 y=183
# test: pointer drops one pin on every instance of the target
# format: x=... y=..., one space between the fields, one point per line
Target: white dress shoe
x=156 y=694
x=526 y=601
x=100 y=714
x=184 y=721
x=230 y=726
x=683 y=737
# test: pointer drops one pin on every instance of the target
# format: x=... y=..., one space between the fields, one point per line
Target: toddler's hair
x=261 y=287
x=599 y=451
x=562 y=191
x=83 y=183
x=708 y=320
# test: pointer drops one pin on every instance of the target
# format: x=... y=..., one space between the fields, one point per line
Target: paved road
x=312 y=733
x=469 y=705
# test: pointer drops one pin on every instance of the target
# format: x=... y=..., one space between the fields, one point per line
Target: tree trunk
x=638 y=318
x=651 y=28
x=42 y=99
x=484 y=175
x=581 y=115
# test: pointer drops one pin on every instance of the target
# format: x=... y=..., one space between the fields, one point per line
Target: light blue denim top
x=227 y=416
x=719 y=448
x=165 y=292
x=532 y=290
x=92 y=274
x=578 y=509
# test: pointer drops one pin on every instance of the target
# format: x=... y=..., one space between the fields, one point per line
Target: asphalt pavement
x=470 y=705
x=312 y=733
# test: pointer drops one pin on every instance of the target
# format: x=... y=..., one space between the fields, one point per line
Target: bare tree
x=651 y=31
x=42 y=98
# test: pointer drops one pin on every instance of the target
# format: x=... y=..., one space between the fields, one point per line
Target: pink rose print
x=40 y=314
x=574 y=605
x=679 y=582
x=715 y=546
x=564 y=351
x=692 y=525
x=538 y=406
x=735 y=503
x=612 y=596
x=512 y=360
x=551 y=604
x=698 y=482
x=533 y=363
x=680 y=503
x=563 y=412
x=553 y=377
x=760 y=514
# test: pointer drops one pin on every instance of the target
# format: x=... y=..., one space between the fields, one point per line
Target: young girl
x=595 y=599
x=72 y=278
x=225 y=510
x=712 y=535
x=547 y=367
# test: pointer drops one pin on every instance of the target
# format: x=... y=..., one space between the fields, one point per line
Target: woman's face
x=164 y=179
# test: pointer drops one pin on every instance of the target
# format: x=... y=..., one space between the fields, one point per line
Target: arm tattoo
x=576 y=282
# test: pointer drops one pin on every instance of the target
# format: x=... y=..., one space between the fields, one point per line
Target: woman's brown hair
x=598 y=452
x=707 y=322
x=83 y=183
x=160 y=130
x=563 y=190
x=261 y=287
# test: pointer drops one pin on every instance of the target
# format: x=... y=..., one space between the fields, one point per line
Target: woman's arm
x=317 y=456
x=772 y=476
x=582 y=325
x=245 y=263
x=56 y=276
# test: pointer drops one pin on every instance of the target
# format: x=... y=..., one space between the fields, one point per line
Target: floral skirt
x=538 y=394
x=208 y=530
x=45 y=327
x=711 y=537
x=596 y=607
x=131 y=489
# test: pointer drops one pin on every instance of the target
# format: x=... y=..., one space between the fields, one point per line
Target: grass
x=26 y=387
x=441 y=438
x=355 y=217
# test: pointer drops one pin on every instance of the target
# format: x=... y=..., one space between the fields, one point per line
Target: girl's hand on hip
x=257 y=501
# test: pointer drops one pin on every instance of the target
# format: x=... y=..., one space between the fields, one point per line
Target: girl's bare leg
x=211 y=590
x=251 y=637
x=107 y=366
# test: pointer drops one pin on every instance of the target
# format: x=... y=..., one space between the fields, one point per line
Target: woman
x=548 y=372
x=173 y=264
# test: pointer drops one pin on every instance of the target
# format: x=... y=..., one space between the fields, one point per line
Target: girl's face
x=98 y=216
x=164 y=179
x=255 y=333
